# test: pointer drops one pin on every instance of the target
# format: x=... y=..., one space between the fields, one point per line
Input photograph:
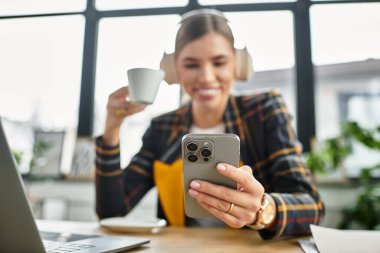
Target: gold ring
x=230 y=209
x=120 y=111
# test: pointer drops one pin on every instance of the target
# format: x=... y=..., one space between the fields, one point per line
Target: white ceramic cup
x=143 y=84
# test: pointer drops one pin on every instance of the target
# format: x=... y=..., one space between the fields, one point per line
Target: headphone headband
x=201 y=12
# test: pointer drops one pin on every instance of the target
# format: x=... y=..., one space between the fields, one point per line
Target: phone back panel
x=224 y=148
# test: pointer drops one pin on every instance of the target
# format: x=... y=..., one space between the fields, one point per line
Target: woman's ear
x=167 y=64
x=243 y=62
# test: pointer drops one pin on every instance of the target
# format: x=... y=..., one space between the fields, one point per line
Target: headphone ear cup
x=167 y=64
x=244 y=68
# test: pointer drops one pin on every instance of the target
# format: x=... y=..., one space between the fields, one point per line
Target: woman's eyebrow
x=190 y=59
x=217 y=57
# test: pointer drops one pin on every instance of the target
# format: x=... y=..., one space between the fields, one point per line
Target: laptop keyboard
x=64 y=247
x=64 y=242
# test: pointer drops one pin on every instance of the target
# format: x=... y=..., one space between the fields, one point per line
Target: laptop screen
x=16 y=218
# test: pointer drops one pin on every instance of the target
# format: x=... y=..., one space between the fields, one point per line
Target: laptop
x=18 y=230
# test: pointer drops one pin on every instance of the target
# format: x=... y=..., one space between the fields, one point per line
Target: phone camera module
x=192 y=158
x=191 y=146
x=206 y=152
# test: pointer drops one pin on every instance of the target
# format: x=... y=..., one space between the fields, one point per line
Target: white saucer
x=121 y=224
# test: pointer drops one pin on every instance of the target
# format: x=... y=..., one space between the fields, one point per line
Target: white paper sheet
x=329 y=240
x=308 y=246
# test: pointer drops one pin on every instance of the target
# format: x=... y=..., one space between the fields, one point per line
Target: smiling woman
x=274 y=192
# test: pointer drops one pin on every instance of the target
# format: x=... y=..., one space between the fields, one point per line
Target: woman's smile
x=208 y=93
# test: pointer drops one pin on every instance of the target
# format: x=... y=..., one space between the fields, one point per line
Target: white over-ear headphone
x=243 y=66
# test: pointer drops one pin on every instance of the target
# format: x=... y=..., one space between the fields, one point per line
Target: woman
x=275 y=194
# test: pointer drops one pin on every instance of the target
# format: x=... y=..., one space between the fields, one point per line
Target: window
x=347 y=58
x=22 y=7
x=137 y=4
x=126 y=43
x=40 y=72
x=269 y=38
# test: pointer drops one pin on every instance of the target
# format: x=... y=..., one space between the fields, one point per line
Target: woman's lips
x=207 y=93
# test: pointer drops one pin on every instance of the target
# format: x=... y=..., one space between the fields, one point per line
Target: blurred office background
x=60 y=59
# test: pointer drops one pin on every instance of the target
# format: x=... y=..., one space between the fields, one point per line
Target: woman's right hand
x=118 y=108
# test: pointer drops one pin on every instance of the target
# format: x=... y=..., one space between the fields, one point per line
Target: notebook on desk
x=18 y=229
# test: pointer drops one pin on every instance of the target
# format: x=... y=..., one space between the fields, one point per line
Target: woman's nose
x=207 y=74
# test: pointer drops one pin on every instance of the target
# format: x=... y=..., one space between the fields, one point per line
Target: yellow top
x=169 y=182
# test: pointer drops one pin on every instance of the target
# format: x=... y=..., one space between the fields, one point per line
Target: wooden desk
x=195 y=240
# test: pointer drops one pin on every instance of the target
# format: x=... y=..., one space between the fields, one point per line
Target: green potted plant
x=365 y=211
x=329 y=155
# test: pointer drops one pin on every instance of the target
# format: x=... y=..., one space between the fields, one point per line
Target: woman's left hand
x=236 y=208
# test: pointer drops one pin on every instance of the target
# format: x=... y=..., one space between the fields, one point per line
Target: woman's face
x=206 y=70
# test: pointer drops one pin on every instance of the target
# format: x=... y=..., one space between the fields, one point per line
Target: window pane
x=22 y=7
x=219 y=2
x=354 y=36
x=137 y=4
x=269 y=38
x=126 y=43
x=347 y=54
x=40 y=70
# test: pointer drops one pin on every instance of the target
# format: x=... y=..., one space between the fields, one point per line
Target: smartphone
x=201 y=153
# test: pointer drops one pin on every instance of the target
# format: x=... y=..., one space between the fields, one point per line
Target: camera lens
x=192 y=158
x=206 y=152
x=192 y=146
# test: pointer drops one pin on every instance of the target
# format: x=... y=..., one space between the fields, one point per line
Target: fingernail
x=221 y=167
x=193 y=193
x=194 y=184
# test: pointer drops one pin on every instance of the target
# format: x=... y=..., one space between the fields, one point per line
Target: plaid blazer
x=268 y=145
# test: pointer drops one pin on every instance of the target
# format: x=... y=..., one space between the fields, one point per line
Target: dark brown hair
x=199 y=24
